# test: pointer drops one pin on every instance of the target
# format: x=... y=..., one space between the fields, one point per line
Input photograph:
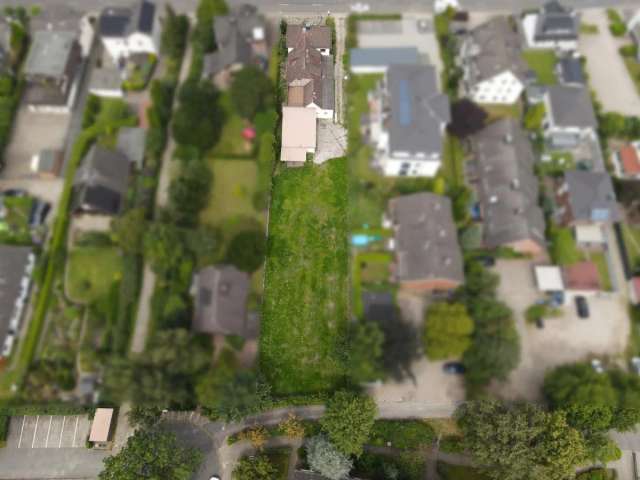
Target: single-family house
x=493 y=70
x=315 y=37
x=552 y=27
x=427 y=253
x=626 y=161
x=128 y=31
x=100 y=433
x=586 y=198
x=16 y=266
x=101 y=182
x=52 y=71
x=298 y=135
x=310 y=76
x=47 y=163
x=569 y=71
x=378 y=59
x=569 y=117
x=407 y=121
x=131 y=143
x=549 y=278
x=507 y=188
x=220 y=297
x=241 y=39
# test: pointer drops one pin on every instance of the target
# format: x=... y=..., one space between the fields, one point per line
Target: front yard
x=91 y=271
x=543 y=63
x=305 y=309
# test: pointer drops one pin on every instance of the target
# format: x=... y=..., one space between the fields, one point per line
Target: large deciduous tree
x=348 y=421
x=364 y=362
x=251 y=91
x=247 y=250
x=198 y=119
x=448 y=330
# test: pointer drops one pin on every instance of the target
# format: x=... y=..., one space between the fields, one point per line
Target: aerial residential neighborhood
x=329 y=240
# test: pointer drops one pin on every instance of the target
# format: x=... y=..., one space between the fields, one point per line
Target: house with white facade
x=317 y=37
x=494 y=71
x=130 y=31
x=570 y=117
x=407 y=121
x=552 y=27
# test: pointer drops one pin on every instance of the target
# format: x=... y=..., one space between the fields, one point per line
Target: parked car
x=540 y=323
x=635 y=364
x=596 y=364
x=39 y=213
x=453 y=368
x=360 y=7
x=582 y=306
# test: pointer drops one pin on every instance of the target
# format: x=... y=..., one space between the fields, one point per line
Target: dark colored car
x=540 y=323
x=14 y=192
x=453 y=368
x=582 y=307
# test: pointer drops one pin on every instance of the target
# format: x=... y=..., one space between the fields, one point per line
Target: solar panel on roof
x=404 y=104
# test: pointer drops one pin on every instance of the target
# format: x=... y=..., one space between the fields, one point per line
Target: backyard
x=231 y=141
x=305 y=307
x=91 y=272
x=543 y=63
x=631 y=236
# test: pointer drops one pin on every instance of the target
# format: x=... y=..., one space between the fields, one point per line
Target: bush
x=247 y=250
x=618 y=29
x=629 y=51
x=452 y=444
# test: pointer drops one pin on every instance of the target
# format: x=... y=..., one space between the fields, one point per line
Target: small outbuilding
x=549 y=278
x=298 y=134
x=101 y=428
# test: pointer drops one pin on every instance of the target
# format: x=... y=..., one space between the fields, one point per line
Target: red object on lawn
x=249 y=133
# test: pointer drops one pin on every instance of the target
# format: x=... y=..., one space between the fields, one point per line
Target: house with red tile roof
x=582 y=277
x=626 y=161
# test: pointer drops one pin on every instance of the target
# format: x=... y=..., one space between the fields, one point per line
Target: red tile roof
x=582 y=276
x=630 y=160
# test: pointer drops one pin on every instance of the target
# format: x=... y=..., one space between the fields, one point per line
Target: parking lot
x=604 y=63
x=48 y=431
x=565 y=339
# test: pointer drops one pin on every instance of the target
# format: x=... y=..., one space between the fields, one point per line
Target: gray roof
x=556 y=23
x=591 y=196
x=418 y=109
x=131 y=143
x=571 y=107
x=13 y=264
x=426 y=238
x=105 y=78
x=507 y=186
x=571 y=71
x=383 y=56
x=494 y=47
x=122 y=21
x=221 y=294
x=49 y=53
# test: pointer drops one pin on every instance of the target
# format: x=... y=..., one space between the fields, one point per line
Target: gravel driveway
x=608 y=74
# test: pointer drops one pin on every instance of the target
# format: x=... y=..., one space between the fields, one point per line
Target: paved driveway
x=607 y=72
x=563 y=340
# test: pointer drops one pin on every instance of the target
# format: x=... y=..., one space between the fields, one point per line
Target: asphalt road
x=324 y=6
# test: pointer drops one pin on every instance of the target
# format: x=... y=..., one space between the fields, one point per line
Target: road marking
x=48 y=431
x=35 y=432
x=75 y=432
x=64 y=419
x=24 y=419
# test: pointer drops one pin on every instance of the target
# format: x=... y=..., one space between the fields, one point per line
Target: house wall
x=503 y=88
x=392 y=167
x=526 y=247
x=116 y=47
x=107 y=92
x=321 y=113
x=368 y=69
x=529 y=28
x=430 y=285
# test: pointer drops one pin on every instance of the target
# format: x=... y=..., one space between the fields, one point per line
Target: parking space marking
x=64 y=419
x=24 y=419
x=46 y=443
x=35 y=431
x=75 y=432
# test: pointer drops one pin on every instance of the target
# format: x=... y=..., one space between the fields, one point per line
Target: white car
x=596 y=364
x=360 y=7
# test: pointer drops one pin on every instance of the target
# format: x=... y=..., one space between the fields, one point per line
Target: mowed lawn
x=91 y=271
x=543 y=62
x=305 y=307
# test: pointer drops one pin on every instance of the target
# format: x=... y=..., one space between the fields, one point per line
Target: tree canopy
x=164 y=247
x=448 y=330
x=326 y=459
x=348 y=421
x=251 y=91
x=189 y=193
x=247 y=250
x=256 y=467
x=128 y=230
x=198 y=119
x=364 y=362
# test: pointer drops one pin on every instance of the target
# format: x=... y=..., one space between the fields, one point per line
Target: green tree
x=326 y=459
x=247 y=250
x=520 y=442
x=189 y=193
x=448 y=330
x=173 y=40
x=164 y=247
x=364 y=361
x=198 y=119
x=348 y=421
x=144 y=417
x=251 y=91
x=151 y=454
x=128 y=230
x=257 y=467
x=578 y=384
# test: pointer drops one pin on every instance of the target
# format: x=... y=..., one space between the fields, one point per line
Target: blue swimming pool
x=362 y=240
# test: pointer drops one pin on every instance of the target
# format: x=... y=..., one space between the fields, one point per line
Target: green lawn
x=564 y=250
x=603 y=269
x=91 y=271
x=631 y=236
x=557 y=165
x=453 y=161
x=231 y=142
x=305 y=309
x=459 y=472
x=374 y=266
x=498 y=111
x=543 y=62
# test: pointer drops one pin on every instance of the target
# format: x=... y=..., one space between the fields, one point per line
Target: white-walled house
x=407 y=122
x=130 y=31
x=494 y=71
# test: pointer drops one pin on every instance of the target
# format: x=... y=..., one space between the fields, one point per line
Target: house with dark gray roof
x=51 y=70
x=220 y=295
x=378 y=59
x=570 y=116
x=493 y=69
x=407 y=121
x=309 y=75
x=241 y=39
x=569 y=71
x=506 y=188
x=101 y=182
x=428 y=257
x=127 y=31
x=552 y=27
x=131 y=143
x=16 y=266
x=586 y=198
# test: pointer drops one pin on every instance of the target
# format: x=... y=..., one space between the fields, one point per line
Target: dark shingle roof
x=145 y=14
x=571 y=71
x=383 y=56
x=571 y=107
x=114 y=22
x=591 y=196
x=556 y=23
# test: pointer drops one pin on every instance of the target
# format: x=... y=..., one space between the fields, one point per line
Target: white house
x=407 y=122
x=552 y=27
x=494 y=71
x=130 y=31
